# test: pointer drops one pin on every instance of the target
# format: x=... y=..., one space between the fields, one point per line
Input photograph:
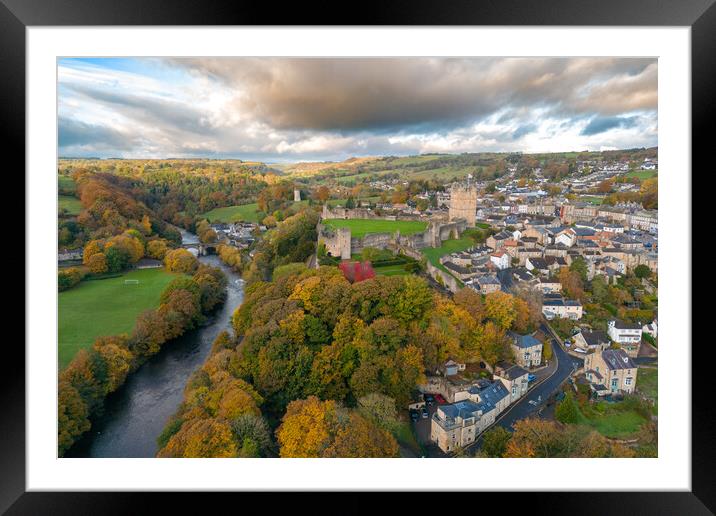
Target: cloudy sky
x=281 y=110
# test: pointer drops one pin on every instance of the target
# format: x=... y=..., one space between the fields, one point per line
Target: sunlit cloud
x=321 y=109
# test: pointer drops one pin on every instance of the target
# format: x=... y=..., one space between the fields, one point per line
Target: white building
x=501 y=259
x=624 y=333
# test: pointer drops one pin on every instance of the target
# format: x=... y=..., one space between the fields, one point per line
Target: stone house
x=527 y=350
x=611 y=371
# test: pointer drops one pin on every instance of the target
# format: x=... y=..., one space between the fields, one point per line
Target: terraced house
x=458 y=424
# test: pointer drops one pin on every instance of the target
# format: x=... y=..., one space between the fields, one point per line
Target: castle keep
x=463 y=203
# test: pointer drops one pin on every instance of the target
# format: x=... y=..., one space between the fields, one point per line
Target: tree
x=157 y=249
x=117 y=357
x=547 y=351
x=642 y=271
x=322 y=193
x=494 y=441
x=97 y=263
x=380 y=409
x=93 y=247
x=252 y=435
x=579 y=265
x=118 y=258
x=471 y=300
x=360 y=438
x=180 y=260
x=567 y=410
x=500 y=308
x=306 y=427
x=72 y=416
x=201 y=438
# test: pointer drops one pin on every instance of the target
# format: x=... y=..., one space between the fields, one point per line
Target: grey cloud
x=73 y=133
x=425 y=93
x=602 y=124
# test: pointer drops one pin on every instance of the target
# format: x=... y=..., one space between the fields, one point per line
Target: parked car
x=531 y=378
x=414 y=415
x=425 y=413
x=429 y=400
x=440 y=399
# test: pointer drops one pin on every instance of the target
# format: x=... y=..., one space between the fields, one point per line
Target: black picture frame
x=700 y=15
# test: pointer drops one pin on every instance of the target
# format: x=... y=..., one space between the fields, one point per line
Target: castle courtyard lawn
x=362 y=227
x=105 y=307
x=391 y=270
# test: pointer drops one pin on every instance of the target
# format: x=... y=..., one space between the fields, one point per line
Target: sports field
x=362 y=227
x=105 y=307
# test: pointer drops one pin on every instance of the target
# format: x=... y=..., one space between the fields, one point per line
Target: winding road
x=540 y=393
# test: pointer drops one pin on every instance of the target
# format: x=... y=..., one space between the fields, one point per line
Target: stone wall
x=463 y=203
x=444 y=278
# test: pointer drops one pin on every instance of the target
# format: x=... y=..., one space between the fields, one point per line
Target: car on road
x=440 y=399
x=531 y=377
x=425 y=413
x=567 y=344
x=429 y=399
x=414 y=415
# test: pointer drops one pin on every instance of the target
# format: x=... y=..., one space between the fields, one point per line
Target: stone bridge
x=199 y=249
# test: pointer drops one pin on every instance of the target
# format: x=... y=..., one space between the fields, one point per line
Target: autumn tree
x=180 y=260
x=72 y=416
x=500 y=308
x=494 y=441
x=201 y=438
x=97 y=263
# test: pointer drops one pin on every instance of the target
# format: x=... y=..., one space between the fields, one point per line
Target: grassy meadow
x=105 y=307
x=69 y=203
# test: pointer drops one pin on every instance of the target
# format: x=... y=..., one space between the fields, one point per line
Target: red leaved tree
x=357 y=271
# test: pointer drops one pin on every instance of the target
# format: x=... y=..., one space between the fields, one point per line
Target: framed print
x=318 y=257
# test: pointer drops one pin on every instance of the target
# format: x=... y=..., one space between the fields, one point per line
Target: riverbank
x=135 y=415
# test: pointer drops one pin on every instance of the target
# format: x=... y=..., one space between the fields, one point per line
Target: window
x=627 y=381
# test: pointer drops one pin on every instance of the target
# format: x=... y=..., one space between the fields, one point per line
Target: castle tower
x=463 y=203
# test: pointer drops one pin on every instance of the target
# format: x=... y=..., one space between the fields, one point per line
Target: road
x=541 y=393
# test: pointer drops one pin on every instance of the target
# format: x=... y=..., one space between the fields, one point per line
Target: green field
x=619 y=420
x=391 y=270
x=105 y=307
x=591 y=199
x=66 y=183
x=642 y=174
x=647 y=383
x=449 y=246
x=244 y=212
x=362 y=227
x=71 y=204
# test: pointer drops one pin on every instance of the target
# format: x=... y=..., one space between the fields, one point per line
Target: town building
x=627 y=335
x=611 y=371
x=527 y=350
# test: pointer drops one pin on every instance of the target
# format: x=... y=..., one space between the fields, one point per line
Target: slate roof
x=617 y=359
x=524 y=341
x=511 y=371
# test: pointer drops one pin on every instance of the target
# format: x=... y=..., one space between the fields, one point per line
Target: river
x=136 y=413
